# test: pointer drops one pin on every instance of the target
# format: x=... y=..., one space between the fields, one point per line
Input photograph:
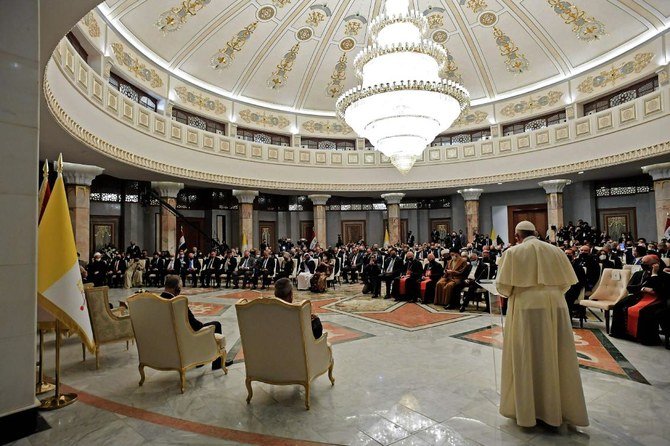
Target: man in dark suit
x=190 y=267
x=227 y=268
x=479 y=270
x=245 y=270
x=575 y=290
x=432 y=273
x=155 y=270
x=265 y=269
x=133 y=251
x=406 y=287
x=173 y=265
x=116 y=271
x=391 y=270
x=97 y=270
x=608 y=260
x=371 y=273
x=173 y=289
x=210 y=267
x=353 y=266
x=587 y=261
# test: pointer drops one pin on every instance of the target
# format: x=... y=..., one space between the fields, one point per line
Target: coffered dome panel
x=295 y=55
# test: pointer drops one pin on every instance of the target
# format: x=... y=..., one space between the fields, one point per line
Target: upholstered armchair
x=165 y=339
x=612 y=287
x=278 y=344
x=108 y=325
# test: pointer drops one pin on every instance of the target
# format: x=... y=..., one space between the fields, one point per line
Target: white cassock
x=540 y=372
x=303 y=280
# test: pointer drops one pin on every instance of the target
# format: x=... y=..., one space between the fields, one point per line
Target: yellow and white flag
x=387 y=239
x=59 y=284
x=244 y=241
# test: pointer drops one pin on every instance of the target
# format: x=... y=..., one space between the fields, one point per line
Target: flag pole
x=42 y=386
x=59 y=400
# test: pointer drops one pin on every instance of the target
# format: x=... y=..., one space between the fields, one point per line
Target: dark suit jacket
x=250 y=262
x=660 y=283
x=230 y=267
x=397 y=269
x=433 y=270
x=210 y=263
x=592 y=270
x=413 y=268
x=121 y=266
x=193 y=322
x=270 y=266
x=177 y=265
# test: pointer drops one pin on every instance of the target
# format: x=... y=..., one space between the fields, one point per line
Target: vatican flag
x=59 y=285
x=244 y=241
x=386 y=238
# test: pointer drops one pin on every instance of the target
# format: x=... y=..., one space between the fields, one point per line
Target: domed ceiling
x=297 y=55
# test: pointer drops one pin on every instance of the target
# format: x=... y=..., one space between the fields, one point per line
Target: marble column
x=393 y=209
x=168 y=191
x=78 y=179
x=554 y=189
x=661 y=176
x=246 y=212
x=319 y=203
x=471 y=198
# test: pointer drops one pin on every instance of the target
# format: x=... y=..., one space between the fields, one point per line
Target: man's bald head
x=650 y=260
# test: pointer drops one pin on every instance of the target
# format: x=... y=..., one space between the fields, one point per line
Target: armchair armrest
x=199 y=346
x=319 y=355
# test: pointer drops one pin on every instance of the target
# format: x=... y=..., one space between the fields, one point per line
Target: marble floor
x=405 y=375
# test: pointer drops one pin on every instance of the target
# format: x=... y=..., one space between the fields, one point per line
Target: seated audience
x=372 y=272
x=116 y=271
x=209 y=268
x=319 y=281
x=406 y=287
x=391 y=270
x=97 y=270
x=447 y=289
x=245 y=270
x=305 y=272
x=432 y=273
x=265 y=269
x=479 y=270
x=190 y=268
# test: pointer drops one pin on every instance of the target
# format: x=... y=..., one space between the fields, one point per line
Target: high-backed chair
x=165 y=339
x=279 y=346
x=108 y=325
x=611 y=289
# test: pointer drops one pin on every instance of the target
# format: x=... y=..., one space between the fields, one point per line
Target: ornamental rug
x=207 y=309
x=594 y=350
x=337 y=334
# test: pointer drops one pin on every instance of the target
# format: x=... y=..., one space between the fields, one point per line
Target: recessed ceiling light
x=580 y=172
x=499 y=183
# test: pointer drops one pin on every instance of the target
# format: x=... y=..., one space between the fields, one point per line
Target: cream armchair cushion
x=165 y=339
x=279 y=346
x=108 y=325
x=612 y=287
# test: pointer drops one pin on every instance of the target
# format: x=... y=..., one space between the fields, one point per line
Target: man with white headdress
x=540 y=373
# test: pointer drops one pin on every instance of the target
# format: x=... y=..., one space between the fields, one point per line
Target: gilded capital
x=660 y=171
x=319 y=199
x=80 y=174
x=245 y=196
x=471 y=194
x=554 y=186
x=167 y=189
x=393 y=198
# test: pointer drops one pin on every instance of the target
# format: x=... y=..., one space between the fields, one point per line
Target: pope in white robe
x=540 y=372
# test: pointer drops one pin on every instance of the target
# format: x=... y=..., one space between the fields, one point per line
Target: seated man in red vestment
x=406 y=287
x=635 y=317
x=431 y=274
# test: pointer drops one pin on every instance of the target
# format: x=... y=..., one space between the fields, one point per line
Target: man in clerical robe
x=431 y=275
x=540 y=372
x=635 y=317
x=448 y=288
x=406 y=287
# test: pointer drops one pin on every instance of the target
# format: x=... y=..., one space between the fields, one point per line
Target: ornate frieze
x=198 y=100
x=225 y=56
x=336 y=85
x=264 y=119
x=515 y=61
x=616 y=73
x=584 y=26
x=467 y=118
x=91 y=24
x=477 y=6
x=133 y=64
x=327 y=127
x=531 y=104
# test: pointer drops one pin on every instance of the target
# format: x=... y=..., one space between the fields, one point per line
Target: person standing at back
x=540 y=372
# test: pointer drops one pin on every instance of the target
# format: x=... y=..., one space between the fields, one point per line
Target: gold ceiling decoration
x=91 y=24
x=280 y=74
x=264 y=119
x=198 y=100
x=468 y=118
x=173 y=19
x=515 y=61
x=435 y=21
x=352 y=27
x=531 y=104
x=266 y=13
x=488 y=18
x=314 y=18
x=450 y=70
x=305 y=33
x=136 y=67
x=477 y=6
x=585 y=27
x=224 y=57
x=440 y=36
x=336 y=84
x=347 y=44
x=616 y=73
x=281 y=3
x=327 y=127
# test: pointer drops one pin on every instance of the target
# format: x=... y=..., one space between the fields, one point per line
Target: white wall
x=19 y=126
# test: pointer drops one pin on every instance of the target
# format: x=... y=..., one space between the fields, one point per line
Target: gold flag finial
x=45 y=168
x=59 y=164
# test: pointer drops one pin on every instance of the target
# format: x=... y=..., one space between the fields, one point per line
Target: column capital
x=554 y=186
x=659 y=171
x=393 y=198
x=80 y=174
x=167 y=189
x=471 y=194
x=319 y=199
x=245 y=196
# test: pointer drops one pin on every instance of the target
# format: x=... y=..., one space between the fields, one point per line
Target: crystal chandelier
x=402 y=103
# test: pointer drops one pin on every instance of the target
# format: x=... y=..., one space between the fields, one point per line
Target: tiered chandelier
x=402 y=103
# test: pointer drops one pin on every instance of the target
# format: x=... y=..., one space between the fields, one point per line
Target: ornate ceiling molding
x=584 y=26
x=200 y=101
x=531 y=104
x=327 y=127
x=515 y=61
x=468 y=118
x=280 y=74
x=225 y=56
x=134 y=66
x=91 y=24
x=264 y=119
x=615 y=73
x=173 y=19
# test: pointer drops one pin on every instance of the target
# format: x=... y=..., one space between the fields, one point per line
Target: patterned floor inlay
x=337 y=334
x=207 y=309
x=594 y=350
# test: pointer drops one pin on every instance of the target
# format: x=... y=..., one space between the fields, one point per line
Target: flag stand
x=42 y=386
x=58 y=400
